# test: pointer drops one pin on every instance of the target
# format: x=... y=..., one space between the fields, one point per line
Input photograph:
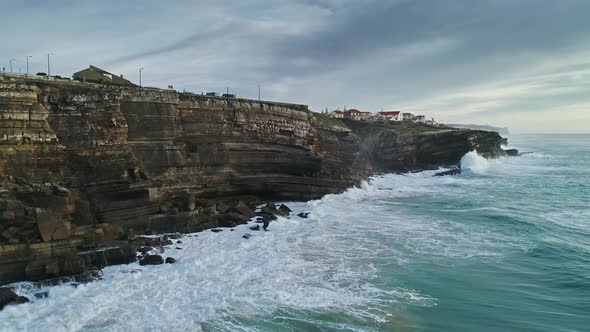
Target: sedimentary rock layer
x=83 y=165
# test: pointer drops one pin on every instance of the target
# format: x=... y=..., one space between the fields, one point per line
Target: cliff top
x=66 y=83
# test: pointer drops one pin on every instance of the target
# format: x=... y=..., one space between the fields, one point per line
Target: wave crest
x=473 y=163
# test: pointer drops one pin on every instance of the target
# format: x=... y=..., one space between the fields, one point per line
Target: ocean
x=503 y=247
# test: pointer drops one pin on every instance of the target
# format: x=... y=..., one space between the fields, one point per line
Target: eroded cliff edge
x=85 y=166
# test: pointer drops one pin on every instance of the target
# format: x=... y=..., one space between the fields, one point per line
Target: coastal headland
x=85 y=168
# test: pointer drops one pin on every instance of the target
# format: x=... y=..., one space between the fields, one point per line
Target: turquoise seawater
x=523 y=261
x=503 y=247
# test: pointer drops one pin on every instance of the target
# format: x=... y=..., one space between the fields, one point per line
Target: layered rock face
x=408 y=146
x=85 y=166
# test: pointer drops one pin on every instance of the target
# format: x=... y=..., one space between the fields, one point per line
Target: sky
x=522 y=64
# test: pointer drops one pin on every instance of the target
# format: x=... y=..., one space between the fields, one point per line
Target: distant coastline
x=499 y=130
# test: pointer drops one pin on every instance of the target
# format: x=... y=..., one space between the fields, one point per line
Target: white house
x=391 y=115
x=355 y=114
x=408 y=116
x=420 y=118
x=431 y=122
x=336 y=114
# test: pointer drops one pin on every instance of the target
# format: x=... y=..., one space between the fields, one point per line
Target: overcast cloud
x=524 y=64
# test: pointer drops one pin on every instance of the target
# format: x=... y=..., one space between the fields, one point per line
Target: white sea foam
x=473 y=163
x=298 y=265
x=326 y=263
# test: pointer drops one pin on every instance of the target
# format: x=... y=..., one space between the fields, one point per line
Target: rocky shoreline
x=86 y=266
x=87 y=169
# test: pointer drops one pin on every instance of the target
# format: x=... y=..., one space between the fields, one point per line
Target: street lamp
x=10 y=61
x=140 y=76
x=28 y=56
x=48 y=65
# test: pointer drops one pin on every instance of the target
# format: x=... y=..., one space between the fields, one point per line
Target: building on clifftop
x=408 y=116
x=420 y=118
x=336 y=114
x=97 y=75
x=391 y=115
x=355 y=114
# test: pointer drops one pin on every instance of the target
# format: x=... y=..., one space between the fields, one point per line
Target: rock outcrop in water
x=86 y=167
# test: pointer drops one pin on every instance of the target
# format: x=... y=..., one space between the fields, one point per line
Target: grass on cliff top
x=329 y=121
x=401 y=127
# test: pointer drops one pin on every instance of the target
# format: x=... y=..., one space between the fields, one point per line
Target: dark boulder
x=255 y=228
x=216 y=230
x=231 y=219
x=268 y=217
x=454 y=171
x=243 y=209
x=22 y=299
x=268 y=210
x=271 y=209
x=511 y=152
x=170 y=260
x=283 y=210
x=145 y=249
x=247 y=236
x=7 y=296
x=303 y=215
x=152 y=260
x=222 y=207
x=286 y=208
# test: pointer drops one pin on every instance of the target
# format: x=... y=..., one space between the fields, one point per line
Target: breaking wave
x=329 y=262
x=375 y=257
x=473 y=163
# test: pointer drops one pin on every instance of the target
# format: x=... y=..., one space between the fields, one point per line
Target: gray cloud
x=448 y=59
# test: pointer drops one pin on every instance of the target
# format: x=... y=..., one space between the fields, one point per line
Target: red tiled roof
x=392 y=113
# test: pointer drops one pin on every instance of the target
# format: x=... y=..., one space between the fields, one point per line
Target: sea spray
x=473 y=163
x=505 y=251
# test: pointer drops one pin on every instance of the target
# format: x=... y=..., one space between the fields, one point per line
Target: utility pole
x=28 y=56
x=48 y=65
x=140 y=76
x=258 y=91
x=10 y=61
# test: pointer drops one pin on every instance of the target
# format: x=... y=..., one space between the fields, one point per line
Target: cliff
x=84 y=167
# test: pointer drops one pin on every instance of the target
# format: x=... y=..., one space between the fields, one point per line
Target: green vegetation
x=329 y=121
x=403 y=128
